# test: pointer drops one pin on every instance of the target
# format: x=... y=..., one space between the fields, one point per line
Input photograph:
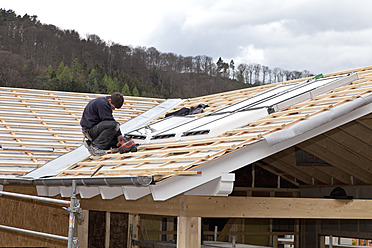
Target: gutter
x=82 y=181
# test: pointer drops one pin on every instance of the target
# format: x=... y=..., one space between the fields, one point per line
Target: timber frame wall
x=313 y=217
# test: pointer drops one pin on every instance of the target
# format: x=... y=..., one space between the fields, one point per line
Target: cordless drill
x=126 y=144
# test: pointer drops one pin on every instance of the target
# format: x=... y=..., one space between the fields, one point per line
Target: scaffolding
x=73 y=208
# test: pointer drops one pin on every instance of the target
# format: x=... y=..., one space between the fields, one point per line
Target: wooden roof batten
x=167 y=161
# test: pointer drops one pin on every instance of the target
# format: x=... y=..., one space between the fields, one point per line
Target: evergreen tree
x=111 y=86
x=125 y=91
x=60 y=69
x=50 y=72
x=135 y=92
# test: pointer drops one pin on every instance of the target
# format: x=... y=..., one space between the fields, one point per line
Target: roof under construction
x=270 y=126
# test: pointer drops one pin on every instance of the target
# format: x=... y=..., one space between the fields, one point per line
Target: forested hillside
x=36 y=55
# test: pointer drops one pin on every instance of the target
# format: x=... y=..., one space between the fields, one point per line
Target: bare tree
x=265 y=71
x=257 y=70
x=197 y=64
x=232 y=69
x=241 y=72
x=249 y=73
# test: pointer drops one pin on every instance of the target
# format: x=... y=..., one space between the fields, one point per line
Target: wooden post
x=297 y=235
x=133 y=219
x=322 y=242
x=82 y=229
x=107 y=234
x=170 y=227
x=275 y=241
x=188 y=232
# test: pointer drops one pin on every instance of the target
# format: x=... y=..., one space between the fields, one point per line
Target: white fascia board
x=88 y=191
x=49 y=191
x=244 y=156
x=53 y=191
x=135 y=192
x=110 y=192
x=66 y=191
x=42 y=190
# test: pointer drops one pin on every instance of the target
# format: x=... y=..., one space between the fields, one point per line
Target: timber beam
x=237 y=207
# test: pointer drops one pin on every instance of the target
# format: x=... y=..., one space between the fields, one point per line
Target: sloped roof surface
x=50 y=119
x=37 y=126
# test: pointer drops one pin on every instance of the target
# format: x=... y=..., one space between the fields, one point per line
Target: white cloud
x=315 y=35
x=249 y=54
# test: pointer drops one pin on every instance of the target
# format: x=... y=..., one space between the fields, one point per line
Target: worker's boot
x=95 y=151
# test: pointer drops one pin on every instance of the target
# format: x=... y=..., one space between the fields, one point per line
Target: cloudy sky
x=320 y=36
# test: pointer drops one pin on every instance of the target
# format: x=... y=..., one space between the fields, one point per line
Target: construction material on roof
x=239 y=114
x=37 y=125
x=204 y=153
x=65 y=161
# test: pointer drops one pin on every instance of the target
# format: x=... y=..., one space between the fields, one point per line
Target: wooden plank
x=351 y=142
x=83 y=229
x=330 y=100
x=257 y=128
x=71 y=95
x=238 y=207
x=11 y=124
x=107 y=229
x=137 y=171
x=134 y=221
x=226 y=229
x=334 y=159
x=24 y=113
x=12 y=155
x=17 y=171
x=273 y=118
x=39 y=144
x=202 y=141
x=147 y=160
x=358 y=130
x=61 y=121
x=285 y=177
x=29 y=137
x=276 y=162
x=188 y=232
x=261 y=189
x=19 y=163
x=43 y=131
x=288 y=156
x=345 y=153
x=171 y=151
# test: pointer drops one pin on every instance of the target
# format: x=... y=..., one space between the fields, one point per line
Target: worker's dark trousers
x=105 y=134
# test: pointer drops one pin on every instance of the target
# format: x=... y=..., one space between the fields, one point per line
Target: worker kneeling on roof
x=98 y=124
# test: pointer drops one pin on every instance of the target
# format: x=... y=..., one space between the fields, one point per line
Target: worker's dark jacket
x=97 y=110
